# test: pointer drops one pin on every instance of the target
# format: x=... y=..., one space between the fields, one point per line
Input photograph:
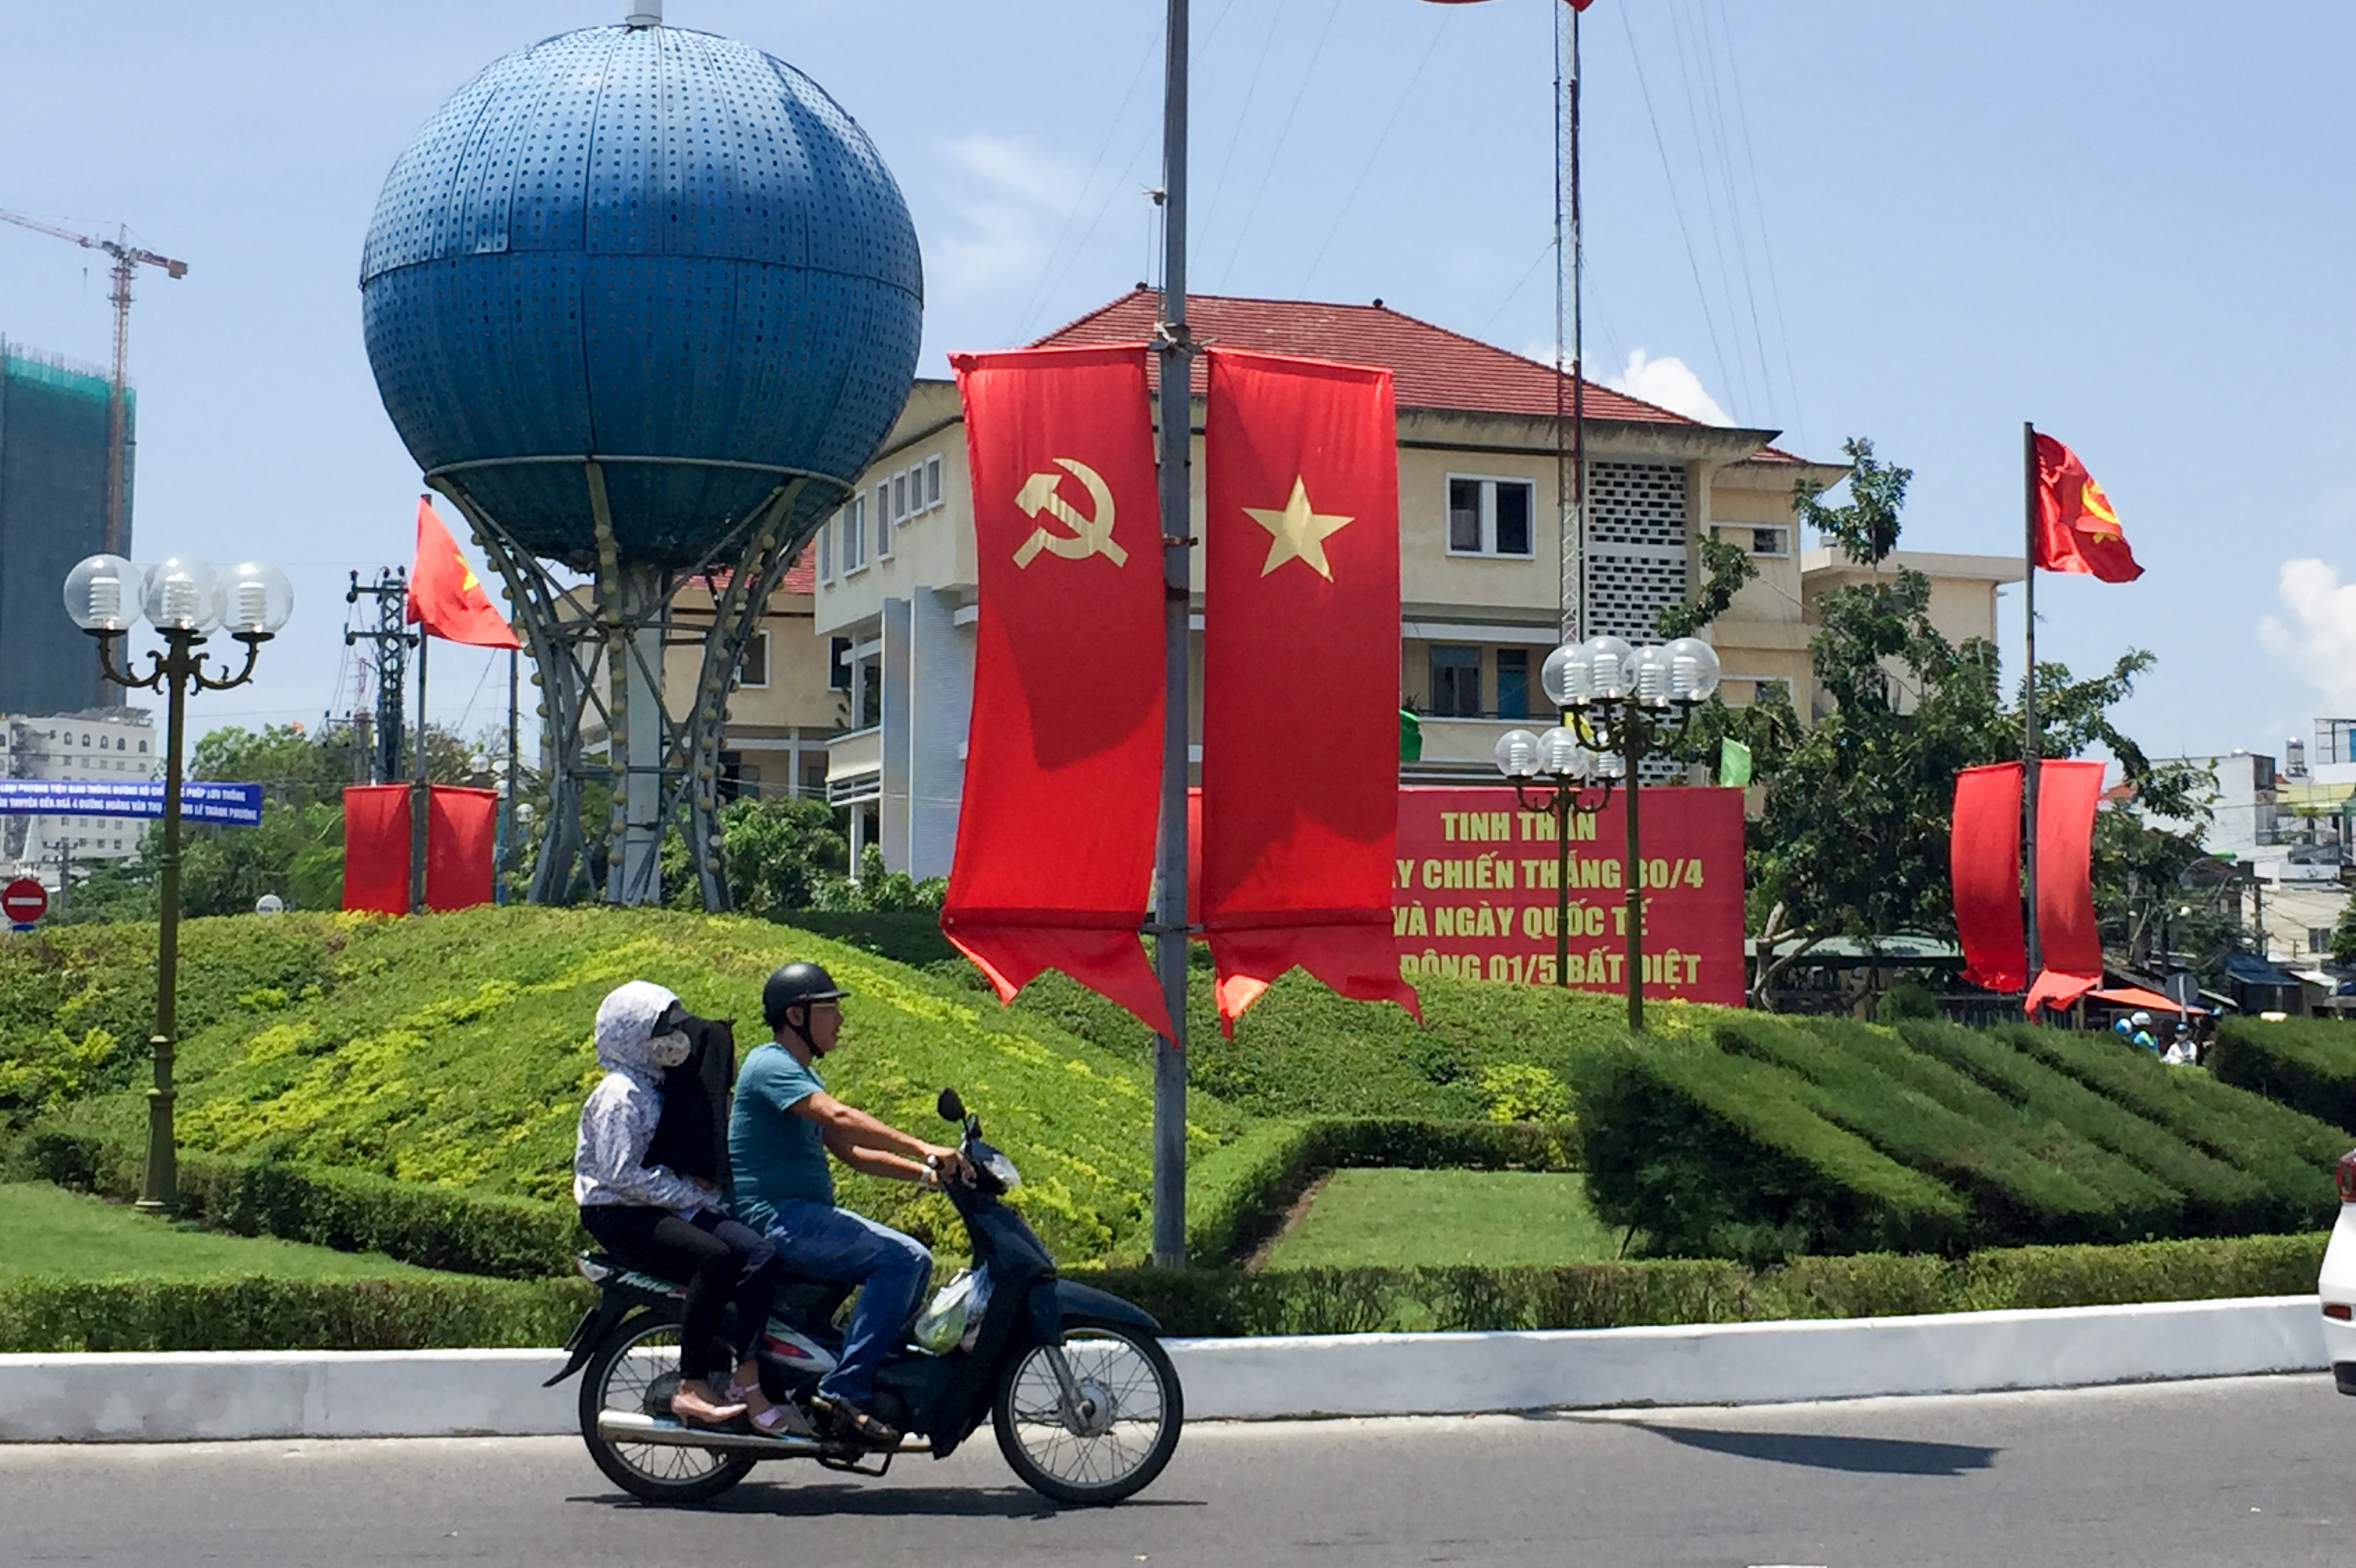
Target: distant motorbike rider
x=780 y=1132
x=651 y=1218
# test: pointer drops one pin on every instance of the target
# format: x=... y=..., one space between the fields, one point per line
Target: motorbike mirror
x=950 y=1107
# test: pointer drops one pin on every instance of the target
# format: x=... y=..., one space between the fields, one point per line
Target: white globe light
x=1652 y=676
x=1561 y=755
x=256 y=599
x=183 y=595
x=1693 y=670
x=1611 y=672
x=1611 y=765
x=1565 y=676
x=1517 y=754
x=102 y=593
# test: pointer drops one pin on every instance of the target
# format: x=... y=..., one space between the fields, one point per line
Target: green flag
x=1410 y=736
x=1733 y=762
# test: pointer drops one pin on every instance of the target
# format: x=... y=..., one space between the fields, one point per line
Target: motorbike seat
x=808 y=1303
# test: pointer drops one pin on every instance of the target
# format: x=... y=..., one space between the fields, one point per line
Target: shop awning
x=2136 y=996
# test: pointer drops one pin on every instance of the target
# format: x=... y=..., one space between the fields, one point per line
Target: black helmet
x=793 y=984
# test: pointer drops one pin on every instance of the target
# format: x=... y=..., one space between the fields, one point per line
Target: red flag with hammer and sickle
x=2076 y=529
x=1056 y=834
x=1300 y=662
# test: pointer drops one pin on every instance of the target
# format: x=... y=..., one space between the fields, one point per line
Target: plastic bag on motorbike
x=952 y=1319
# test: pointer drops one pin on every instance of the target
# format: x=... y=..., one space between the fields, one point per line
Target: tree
x=1853 y=837
x=2343 y=935
x=781 y=855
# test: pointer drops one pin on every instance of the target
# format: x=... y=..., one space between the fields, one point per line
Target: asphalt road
x=2244 y=1471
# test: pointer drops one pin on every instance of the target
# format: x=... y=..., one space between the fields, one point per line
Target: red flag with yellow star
x=1300 y=667
x=446 y=598
x=2076 y=529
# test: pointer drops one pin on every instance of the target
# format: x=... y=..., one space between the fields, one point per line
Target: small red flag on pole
x=446 y=598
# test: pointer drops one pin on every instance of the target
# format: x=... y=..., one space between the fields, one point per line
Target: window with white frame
x=900 y=497
x=1760 y=538
x=1490 y=517
x=932 y=481
x=854 y=536
x=753 y=672
x=826 y=544
x=883 y=519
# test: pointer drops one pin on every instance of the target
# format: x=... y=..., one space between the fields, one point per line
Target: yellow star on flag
x=1296 y=533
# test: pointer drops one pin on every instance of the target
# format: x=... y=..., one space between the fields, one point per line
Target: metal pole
x=418 y=793
x=1637 y=733
x=1176 y=408
x=159 y=1189
x=1578 y=366
x=1562 y=886
x=507 y=818
x=2031 y=740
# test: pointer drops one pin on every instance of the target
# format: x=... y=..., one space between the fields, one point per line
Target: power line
x=1405 y=93
x=1300 y=90
x=1693 y=263
x=1766 y=236
x=1219 y=183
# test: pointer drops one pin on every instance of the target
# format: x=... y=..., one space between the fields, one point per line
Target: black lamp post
x=186 y=601
x=1554 y=773
x=1627 y=701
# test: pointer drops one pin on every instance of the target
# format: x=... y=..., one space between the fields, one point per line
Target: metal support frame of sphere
x=1625 y=701
x=185 y=601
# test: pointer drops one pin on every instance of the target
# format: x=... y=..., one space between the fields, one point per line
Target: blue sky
x=2128 y=222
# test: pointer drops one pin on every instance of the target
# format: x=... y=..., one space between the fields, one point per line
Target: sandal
x=692 y=1405
x=764 y=1420
x=853 y=1425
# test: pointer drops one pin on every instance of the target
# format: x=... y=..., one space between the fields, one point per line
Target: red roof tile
x=1432 y=368
x=801 y=576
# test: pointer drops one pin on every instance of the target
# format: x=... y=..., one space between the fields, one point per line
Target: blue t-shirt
x=777 y=1156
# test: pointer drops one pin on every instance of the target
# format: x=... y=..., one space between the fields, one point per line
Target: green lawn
x=1433 y=1218
x=48 y=1231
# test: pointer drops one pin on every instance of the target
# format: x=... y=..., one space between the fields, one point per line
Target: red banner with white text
x=1474 y=881
x=1300 y=660
x=1055 y=851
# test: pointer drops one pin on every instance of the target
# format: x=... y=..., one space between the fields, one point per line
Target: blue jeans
x=819 y=1241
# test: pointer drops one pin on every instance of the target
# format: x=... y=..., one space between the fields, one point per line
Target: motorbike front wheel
x=1120 y=1437
x=637 y=1370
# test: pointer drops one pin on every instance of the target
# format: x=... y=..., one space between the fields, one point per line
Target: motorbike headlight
x=1002 y=1170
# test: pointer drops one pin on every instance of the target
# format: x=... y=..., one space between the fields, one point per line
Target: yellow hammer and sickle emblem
x=1089 y=535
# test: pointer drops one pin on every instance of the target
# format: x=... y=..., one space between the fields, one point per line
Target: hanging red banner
x=461 y=842
x=1300 y=655
x=376 y=847
x=1475 y=877
x=1056 y=834
x=1983 y=868
x=2069 y=944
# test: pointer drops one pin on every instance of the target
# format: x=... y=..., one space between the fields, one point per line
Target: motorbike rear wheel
x=1120 y=1441
x=635 y=1369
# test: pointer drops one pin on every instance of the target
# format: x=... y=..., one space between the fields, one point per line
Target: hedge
x=1706 y=1154
x=1238 y=1196
x=44 y=1316
x=353 y=1211
x=48 y=1316
x=1602 y=1296
x=1770 y=1136
x=2308 y=1064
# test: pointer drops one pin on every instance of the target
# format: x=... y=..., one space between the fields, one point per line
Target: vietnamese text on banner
x=229 y=804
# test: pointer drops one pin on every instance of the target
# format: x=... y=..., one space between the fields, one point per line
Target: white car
x=2337 y=1284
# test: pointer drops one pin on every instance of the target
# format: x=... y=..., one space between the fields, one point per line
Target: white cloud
x=1668 y=383
x=1013 y=207
x=2317 y=639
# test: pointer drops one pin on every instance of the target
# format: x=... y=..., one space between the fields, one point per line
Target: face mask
x=670 y=1049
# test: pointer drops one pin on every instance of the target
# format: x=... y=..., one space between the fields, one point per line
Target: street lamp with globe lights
x=1623 y=702
x=186 y=601
x=1554 y=773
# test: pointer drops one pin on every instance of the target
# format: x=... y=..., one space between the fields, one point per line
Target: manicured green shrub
x=1600 y=1295
x=2029 y=1178
x=48 y=1316
x=2308 y=1064
x=2291 y=1153
x=1708 y=1154
x=432 y=1227
x=2220 y=1198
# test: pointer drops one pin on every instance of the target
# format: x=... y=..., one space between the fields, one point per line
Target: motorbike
x=1084 y=1399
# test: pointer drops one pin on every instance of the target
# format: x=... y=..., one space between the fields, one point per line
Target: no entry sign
x=24 y=900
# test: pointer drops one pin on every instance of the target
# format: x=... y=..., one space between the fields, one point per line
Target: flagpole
x=1176 y=417
x=417 y=790
x=1572 y=588
x=507 y=818
x=2031 y=740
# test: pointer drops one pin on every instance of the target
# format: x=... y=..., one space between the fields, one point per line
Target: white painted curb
x=418 y=1393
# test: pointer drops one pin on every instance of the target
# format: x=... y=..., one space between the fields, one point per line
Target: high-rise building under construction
x=52 y=514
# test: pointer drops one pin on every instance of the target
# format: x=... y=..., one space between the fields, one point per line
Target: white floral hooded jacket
x=619 y=1122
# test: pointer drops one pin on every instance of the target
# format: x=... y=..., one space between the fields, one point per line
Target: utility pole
x=393 y=639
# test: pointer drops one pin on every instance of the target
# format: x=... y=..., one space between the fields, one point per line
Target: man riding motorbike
x=780 y=1132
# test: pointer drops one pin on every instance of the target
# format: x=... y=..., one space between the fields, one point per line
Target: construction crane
x=126 y=256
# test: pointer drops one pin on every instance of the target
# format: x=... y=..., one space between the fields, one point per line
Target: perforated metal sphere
x=641 y=242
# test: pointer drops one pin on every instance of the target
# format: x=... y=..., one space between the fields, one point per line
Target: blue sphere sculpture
x=659 y=249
